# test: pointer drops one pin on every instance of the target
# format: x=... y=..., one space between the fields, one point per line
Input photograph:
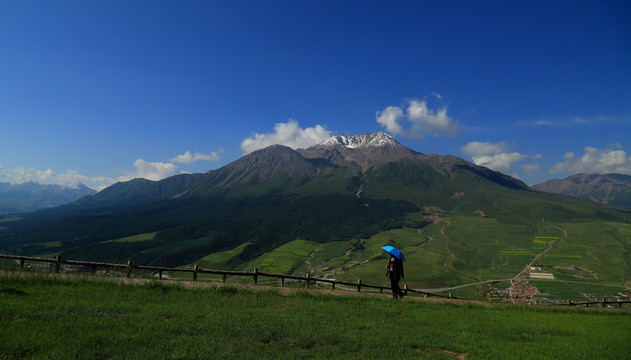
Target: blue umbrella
x=394 y=252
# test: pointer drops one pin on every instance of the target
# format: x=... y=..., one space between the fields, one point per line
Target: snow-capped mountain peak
x=376 y=139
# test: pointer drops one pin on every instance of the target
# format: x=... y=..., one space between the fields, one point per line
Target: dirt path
x=449 y=260
x=541 y=253
x=450 y=257
x=308 y=263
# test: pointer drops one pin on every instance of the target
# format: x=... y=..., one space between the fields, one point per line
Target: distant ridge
x=31 y=196
x=611 y=189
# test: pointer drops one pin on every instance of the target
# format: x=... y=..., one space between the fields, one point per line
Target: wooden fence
x=603 y=302
x=58 y=262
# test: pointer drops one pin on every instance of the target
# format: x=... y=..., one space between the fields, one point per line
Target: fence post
x=604 y=302
x=128 y=268
x=333 y=285
x=195 y=273
x=359 y=285
x=160 y=274
x=224 y=278
x=450 y=295
x=21 y=265
x=256 y=276
x=308 y=281
x=381 y=290
x=282 y=281
x=57 y=263
x=405 y=289
x=569 y=302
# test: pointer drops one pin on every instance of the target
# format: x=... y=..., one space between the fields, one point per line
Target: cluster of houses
x=520 y=292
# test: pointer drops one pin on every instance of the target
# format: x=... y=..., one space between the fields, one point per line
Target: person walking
x=395 y=273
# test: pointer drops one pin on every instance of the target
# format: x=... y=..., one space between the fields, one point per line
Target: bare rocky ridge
x=612 y=189
x=364 y=149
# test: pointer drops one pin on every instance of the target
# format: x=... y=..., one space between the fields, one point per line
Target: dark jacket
x=395 y=268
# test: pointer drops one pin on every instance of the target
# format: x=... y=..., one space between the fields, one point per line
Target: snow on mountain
x=376 y=139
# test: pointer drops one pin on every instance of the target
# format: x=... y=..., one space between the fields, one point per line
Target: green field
x=46 y=317
x=463 y=250
x=135 y=238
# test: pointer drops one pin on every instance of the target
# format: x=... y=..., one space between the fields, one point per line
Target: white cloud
x=574 y=120
x=190 y=158
x=142 y=169
x=389 y=118
x=531 y=169
x=71 y=178
x=499 y=162
x=153 y=170
x=477 y=148
x=493 y=155
x=435 y=122
x=418 y=119
x=23 y=174
x=613 y=160
x=288 y=134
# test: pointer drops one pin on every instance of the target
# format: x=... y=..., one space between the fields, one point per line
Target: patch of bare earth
x=434 y=214
x=455 y=355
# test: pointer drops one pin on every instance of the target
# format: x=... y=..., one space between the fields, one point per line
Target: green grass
x=286 y=259
x=217 y=260
x=135 y=238
x=53 y=318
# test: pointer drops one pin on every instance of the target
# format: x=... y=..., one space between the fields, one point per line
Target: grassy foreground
x=45 y=317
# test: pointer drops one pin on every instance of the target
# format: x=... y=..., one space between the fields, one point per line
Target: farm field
x=45 y=317
x=468 y=250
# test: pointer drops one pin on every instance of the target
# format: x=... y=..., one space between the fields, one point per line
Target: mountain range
x=612 y=189
x=327 y=210
x=31 y=196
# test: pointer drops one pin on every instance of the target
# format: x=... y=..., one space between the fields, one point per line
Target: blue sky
x=104 y=91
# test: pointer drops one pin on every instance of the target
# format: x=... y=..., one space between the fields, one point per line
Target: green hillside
x=56 y=318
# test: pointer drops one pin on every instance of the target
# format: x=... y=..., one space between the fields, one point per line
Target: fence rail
x=604 y=302
x=58 y=261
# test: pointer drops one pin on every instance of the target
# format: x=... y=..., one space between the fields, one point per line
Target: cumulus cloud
x=493 y=155
x=390 y=118
x=70 y=178
x=417 y=118
x=477 y=148
x=153 y=170
x=531 y=169
x=499 y=162
x=191 y=158
x=288 y=134
x=612 y=160
x=435 y=122
x=141 y=169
